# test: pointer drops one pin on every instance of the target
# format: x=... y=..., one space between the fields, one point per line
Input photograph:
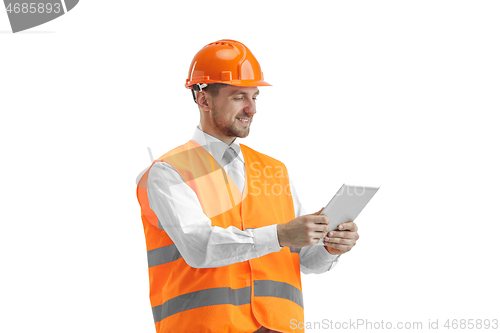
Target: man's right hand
x=304 y=230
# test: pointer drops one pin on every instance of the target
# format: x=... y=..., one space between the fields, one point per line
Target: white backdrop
x=401 y=94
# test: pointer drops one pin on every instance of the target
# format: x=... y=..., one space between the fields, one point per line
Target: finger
x=318 y=237
x=348 y=226
x=341 y=248
x=343 y=234
x=319 y=234
x=340 y=241
x=321 y=219
x=320 y=231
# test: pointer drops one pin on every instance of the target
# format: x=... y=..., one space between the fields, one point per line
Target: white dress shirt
x=202 y=245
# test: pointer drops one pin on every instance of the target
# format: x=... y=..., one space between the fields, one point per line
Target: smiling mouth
x=244 y=120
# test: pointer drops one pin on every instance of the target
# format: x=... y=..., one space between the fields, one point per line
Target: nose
x=251 y=107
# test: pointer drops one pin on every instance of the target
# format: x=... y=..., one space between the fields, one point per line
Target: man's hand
x=304 y=230
x=342 y=241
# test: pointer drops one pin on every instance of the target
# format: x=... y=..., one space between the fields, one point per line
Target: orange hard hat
x=225 y=61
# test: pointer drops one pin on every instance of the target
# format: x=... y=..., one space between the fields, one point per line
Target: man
x=226 y=234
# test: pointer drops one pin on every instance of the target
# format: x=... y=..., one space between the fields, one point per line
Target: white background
x=401 y=94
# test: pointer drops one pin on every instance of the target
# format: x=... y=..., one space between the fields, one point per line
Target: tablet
x=347 y=204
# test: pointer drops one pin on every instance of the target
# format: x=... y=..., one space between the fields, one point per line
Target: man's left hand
x=343 y=240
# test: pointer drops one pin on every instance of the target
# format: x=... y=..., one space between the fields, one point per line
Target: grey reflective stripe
x=272 y=288
x=162 y=255
x=197 y=299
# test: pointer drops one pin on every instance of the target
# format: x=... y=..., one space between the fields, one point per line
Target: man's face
x=232 y=110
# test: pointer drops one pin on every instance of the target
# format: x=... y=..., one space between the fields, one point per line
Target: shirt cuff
x=266 y=239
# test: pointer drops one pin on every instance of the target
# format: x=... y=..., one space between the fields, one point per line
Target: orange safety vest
x=241 y=297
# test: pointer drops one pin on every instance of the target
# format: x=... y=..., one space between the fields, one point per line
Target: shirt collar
x=216 y=147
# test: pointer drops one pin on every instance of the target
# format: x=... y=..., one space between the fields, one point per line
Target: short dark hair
x=212 y=89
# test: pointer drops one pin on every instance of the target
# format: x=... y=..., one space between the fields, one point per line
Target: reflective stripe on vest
x=226 y=295
x=163 y=255
x=270 y=288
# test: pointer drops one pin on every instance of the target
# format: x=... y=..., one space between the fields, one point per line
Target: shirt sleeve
x=313 y=258
x=201 y=245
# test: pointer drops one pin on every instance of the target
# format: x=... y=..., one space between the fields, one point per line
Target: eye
x=238 y=98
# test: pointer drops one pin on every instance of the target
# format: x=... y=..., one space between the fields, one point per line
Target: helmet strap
x=197 y=87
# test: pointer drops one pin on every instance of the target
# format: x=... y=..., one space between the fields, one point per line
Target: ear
x=203 y=100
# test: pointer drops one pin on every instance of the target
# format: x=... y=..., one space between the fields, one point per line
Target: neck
x=226 y=139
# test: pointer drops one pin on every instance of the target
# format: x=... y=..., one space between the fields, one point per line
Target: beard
x=227 y=126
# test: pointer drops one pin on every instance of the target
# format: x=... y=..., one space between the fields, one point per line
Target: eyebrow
x=241 y=92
